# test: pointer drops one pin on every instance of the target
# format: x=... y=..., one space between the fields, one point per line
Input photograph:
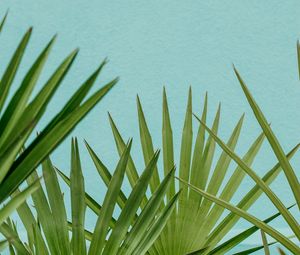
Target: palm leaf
x=16 y=201
x=265 y=243
x=298 y=54
x=281 y=252
x=147 y=215
x=105 y=174
x=278 y=151
x=27 y=218
x=39 y=242
x=89 y=201
x=12 y=67
x=3 y=21
x=255 y=221
x=195 y=163
x=272 y=196
x=3 y=245
x=9 y=231
x=251 y=250
x=45 y=216
x=157 y=227
x=50 y=225
x=131 y=171
x=45 y=144
x=100 y=231
x=245 y=203
x=77 y=202
x=21 y=111
x=17 y=104
x=56 y=203
x=147 y=145
x=130 y=208
x=237 y=239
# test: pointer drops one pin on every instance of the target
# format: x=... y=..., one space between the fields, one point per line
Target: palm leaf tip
x=281 y=252
x=3 y=21
x=298 y=54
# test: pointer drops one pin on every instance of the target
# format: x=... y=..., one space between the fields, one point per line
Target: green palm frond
x=261 y=183
x=133 y=231
x=239 y=238
x=21 y=112
x=273 y=141
x=298 y=54
x=252 y=219
x=195 y=216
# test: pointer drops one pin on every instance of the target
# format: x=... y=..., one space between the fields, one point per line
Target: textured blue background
x=176 y=44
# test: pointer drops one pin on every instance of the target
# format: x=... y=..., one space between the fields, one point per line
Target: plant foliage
x=196 y=225
x=132 y=232
x=21 y=112
x=262 y=183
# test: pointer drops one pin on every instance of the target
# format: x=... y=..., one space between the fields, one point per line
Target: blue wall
x=176 y=44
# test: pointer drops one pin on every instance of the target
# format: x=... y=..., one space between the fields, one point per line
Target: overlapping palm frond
x=132 y=232
x=21 y=112
x=194 y=225
x=262 y=183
